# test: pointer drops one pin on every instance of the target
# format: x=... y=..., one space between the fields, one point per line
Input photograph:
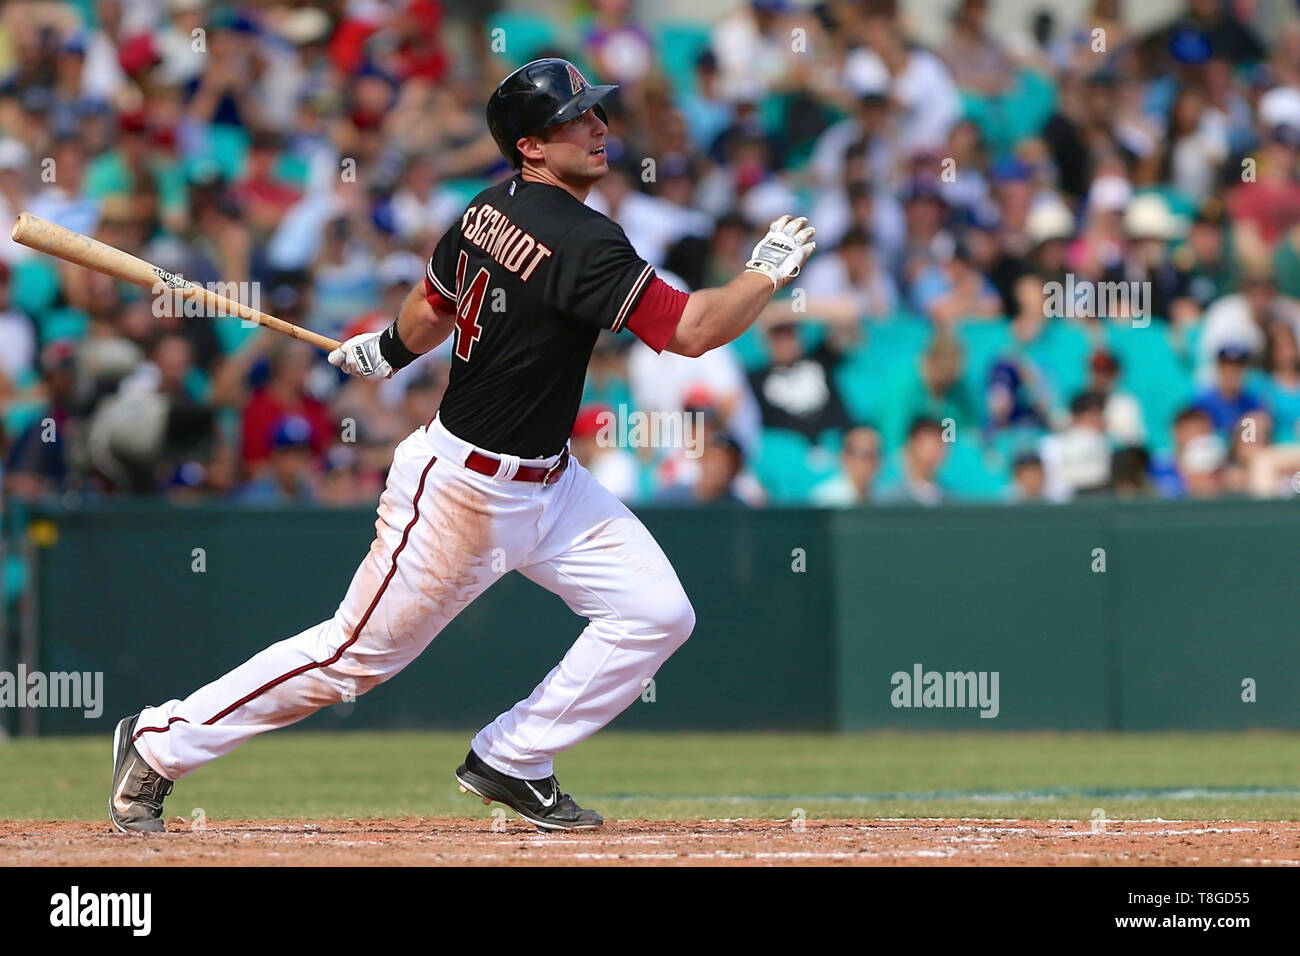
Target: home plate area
x=499 y=841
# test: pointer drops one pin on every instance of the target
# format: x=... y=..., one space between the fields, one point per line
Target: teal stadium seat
x=465 y=189
x=34 y=285
x=981 y=342
x=1152 y=371
x=973 y=471
x=886 y=347
x=788 y=466
x=524 y=35
x=61 y=323
x=678 y=43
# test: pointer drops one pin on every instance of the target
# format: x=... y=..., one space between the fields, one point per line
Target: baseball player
x=525 y=281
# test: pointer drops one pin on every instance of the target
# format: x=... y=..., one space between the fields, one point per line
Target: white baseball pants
x=444 y=534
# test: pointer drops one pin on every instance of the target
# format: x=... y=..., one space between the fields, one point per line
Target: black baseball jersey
x=533 y=275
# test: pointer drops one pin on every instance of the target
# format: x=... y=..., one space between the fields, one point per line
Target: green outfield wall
x=1089 y=616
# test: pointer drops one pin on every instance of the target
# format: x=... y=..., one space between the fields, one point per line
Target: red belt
x=487 y=465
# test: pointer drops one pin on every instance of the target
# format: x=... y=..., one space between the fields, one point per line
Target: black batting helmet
x=537 y=95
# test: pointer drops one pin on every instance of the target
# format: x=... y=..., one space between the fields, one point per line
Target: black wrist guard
x=394 y=350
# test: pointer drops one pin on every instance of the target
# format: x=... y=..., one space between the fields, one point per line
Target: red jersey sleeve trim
x=437 y=301
x=655 y=318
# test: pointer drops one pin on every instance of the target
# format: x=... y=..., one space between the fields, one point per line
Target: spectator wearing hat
x=1150 y=227
x=851 y=486
x=288 y=476
x=1214 y=26
x=285 y=393
x=1125 y=421
x=1241 y=319
x=1226 y=400
x=916 y=472
x=1166 y=475
x=596 y=444
x=715 y=482
x=1049 y=230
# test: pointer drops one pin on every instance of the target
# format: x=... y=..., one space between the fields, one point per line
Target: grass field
x=1250 y=776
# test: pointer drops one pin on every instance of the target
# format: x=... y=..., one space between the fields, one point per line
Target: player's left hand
x=782 y=252
x=360 y=356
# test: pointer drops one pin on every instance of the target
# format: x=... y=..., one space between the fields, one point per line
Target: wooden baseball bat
x=43 y=236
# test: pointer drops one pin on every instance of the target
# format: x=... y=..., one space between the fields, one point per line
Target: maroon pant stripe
x=355 y=633
x=157 y=730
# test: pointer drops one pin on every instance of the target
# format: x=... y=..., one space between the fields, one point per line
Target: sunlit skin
x=570 y=156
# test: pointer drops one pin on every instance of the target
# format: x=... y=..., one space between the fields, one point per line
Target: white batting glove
x=783 y=250
x=360 y=356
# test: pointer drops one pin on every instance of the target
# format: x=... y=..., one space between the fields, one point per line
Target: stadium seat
x=1153 y=372
x=679 y=43
x=981 y=342
x=973 y=471
x=34 y=285
x=61 y=323
x=524 y=34
x=885 y=348
x=784 y=467
x=465 y=189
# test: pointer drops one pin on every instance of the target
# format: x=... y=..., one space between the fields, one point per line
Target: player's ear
x=530 y=147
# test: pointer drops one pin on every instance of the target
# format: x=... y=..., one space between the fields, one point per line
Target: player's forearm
x=419 y=325
x=714 y=317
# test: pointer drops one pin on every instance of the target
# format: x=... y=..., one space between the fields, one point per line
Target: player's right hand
x=782 y=252
x=360 y=356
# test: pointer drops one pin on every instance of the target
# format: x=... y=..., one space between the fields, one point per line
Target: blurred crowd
x=955 y=337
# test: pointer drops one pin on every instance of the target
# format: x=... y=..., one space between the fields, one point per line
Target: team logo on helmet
x=577 y=82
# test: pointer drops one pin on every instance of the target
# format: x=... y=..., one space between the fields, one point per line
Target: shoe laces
x=154 y=788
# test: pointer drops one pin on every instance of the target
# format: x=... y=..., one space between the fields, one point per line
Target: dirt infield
x=440 y=841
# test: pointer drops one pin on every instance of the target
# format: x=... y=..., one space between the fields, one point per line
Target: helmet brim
x=583 y=101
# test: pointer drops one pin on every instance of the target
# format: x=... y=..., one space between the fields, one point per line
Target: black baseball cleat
x=135 y=803
x=540 y=802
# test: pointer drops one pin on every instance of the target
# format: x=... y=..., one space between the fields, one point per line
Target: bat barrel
x=53 y=239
